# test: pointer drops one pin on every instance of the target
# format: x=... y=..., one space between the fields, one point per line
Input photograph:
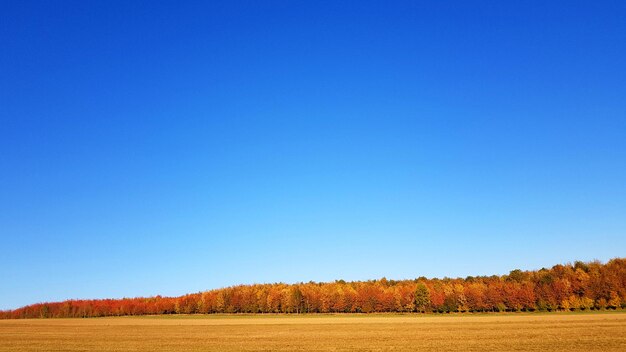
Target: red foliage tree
x=563 y=287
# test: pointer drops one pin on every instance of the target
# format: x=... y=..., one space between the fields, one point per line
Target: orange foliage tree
x=578 y=286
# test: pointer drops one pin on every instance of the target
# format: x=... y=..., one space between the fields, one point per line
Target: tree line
x=578 y=286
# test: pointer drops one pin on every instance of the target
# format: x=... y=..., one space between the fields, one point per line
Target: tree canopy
x=577 y=286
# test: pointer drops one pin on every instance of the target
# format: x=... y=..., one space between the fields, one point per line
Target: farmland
x=599 y=331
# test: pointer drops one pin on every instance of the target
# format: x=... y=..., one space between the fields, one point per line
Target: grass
x=376 y=332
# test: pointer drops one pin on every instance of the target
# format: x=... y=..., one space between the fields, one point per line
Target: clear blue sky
x=174 y=147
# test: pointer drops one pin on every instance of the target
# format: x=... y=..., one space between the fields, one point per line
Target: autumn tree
x=422 y=297
x=581 y=286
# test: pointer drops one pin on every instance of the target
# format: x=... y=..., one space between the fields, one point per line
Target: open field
x=515 y=332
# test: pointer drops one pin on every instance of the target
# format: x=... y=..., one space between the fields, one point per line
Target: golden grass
x=517 y=332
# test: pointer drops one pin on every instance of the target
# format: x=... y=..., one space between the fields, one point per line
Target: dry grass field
x=515 y=332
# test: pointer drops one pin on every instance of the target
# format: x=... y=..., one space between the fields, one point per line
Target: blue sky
x=176 y=147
